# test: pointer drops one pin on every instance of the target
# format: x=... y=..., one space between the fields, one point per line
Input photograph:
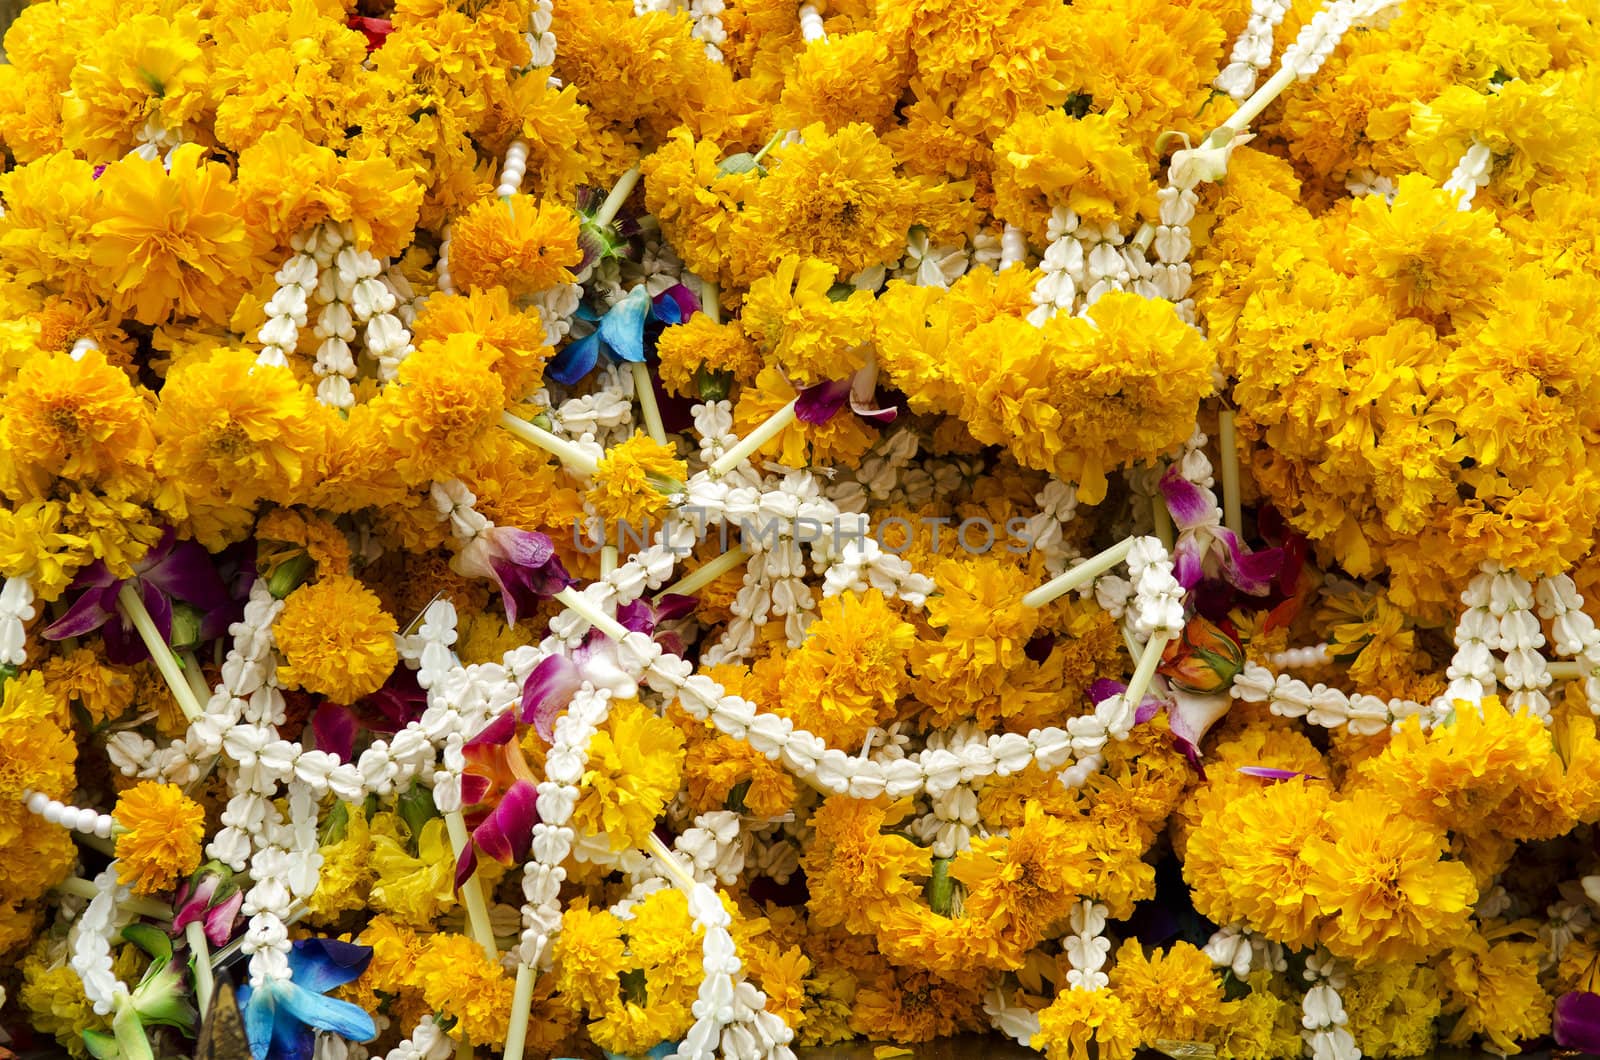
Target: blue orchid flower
x=620 y=333
x=282 y=1016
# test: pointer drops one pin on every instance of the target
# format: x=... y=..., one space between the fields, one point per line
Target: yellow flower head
x=415 y=889
x=1495 y=987
x=832 y=197
x=516 y=336
x=1381 y=880
x=634 y=769
x=81 y=420
x=1087 y=1025
x=336 y=639
x=697 y=205
x=1053 y=159
x=152 y=70
x=458 y=980
x=843 y=78
x=436 y=413
x=791 y=317
x=167 y=243
x=162 y=841
x=589 y=955
x=37 y=751
x=853 y=871
x=699 y=350
x=1176 y=994
x=635 y=482
x=521 y=244
x=850 y=673
x=1020 y=885
x=83 y=677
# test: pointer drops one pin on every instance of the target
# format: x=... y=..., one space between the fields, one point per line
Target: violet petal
x=1104 y=688
x=547 y=692
x=1271 y=773
x=88 y=613
x=1185 y=501
x=219 y=919
x=1577 y=1021
x=1192 y=716
x=637 y=616
x=335 y=729
x=508 y=830
x=501 y=730
x=185 y=571
x=674 y=606
x=1250 y=572
x=820 y=403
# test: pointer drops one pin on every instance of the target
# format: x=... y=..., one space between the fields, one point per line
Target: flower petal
x=186 y=572
x=88 y=613
x=1192 y=716
x=575 y=360
x=1270 y=773
x=260 y=1013
x=1186 y=501
x=1577 y=1023
x=820 y=403
x=508 y=830
x=322 y=964
x=335 y=729
x=622 y=329
x=329 y=1014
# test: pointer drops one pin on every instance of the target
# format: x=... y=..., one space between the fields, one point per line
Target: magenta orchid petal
x=466 y=865
x=183 y=569
x=1185 y=500
x=1104 y=688
x=821 y=403
x=1192 y=716
x=335 y=729
x=220 y=918
x=474 y=788
x=191 y=902
x=124 y=647
x=1188 y=565
x=1250 y=572
x=522 y=563
x=637 y=616
x=90 y=611
x=507 y=832
x=863 y=394
x=1577 y=1021
x=1271 y=773
x=547 y=692
x=673 y=606
x=501 y=730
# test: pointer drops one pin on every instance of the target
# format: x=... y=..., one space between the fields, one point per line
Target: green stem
x=1149 y=659
x=195 y=932
x=645 y=391
x=575 y=459
x=763 y=434
x=1082 y=574
x=706 y=573
x=521 y=1002
x=160 y=651
x=82 y=888
x=1228 y=454
x=619 y=195
x=472 y=890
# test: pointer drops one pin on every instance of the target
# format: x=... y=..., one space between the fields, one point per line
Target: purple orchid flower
x=1274 y=774
x=171 y=570
x=820 y=403
x=388 y=710
x=210 y=897
x=555 y=680
x=522 y=563
x=1206 y=548
x=1104 y=688
x=1189 y=716
x=1577 y=1022
x=499 y=793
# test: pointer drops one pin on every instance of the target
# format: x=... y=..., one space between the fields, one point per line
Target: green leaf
x=130 y=1035
x=101 y=1046
x=152 y=940
x=334 y=824
x=743 y=162
x=940 y=890
x=417 y=809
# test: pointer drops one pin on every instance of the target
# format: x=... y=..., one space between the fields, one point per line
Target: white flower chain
x=91 y=943
x=1087 y=947
x=1239 y=949
x=427 y=1042
x=1573 y=630
x=16 y=610
x=731 y=1020
x=1323 y=1017
x=1252 y=51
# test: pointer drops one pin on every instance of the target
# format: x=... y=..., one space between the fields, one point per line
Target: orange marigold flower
x=162 y=841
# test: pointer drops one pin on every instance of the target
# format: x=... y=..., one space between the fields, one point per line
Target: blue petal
x=292 y=1040
x=329 y=1014
x=575 y=361
x=319 y=965
x=259 y=1015
x=622 y=330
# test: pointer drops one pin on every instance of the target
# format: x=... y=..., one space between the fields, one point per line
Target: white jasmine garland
x=1323 y=1017
x=90 y=943
x=1086 y=947
x=16 y=611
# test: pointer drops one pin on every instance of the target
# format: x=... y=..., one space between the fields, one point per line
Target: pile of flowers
x=709 y=527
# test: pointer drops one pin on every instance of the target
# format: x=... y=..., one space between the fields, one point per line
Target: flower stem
x=1228 y=453
x=82 y=888
x=706 y=573
x=1259 y=100
x=195 y=932
x=575 y=459
x=160 y=651
x=576 y=601
x=1082 y=574
x=1559 y=671
x=1149 y=659
x=129 y=1031
x=619 y=194
x=521 y=1001
x=608 y=559
x=645 y=391
x=763 y=434
x=670 y=862
x=472 y=890
x=711 y=298
x=195 y=676
x=1162 y=517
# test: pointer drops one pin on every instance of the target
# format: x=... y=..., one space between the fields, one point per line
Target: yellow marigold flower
x=167 y=243
x=1260 y=1024
x=446 y=399
x=515 y=335
x=843 y=78
x=1424 y=254
x=589 y=955
x=1456 y=776
x=336 y=639
x=396 y=951
x=634 y=769
x=151 y=70
x=1243 y=860
x=1381 y=880
x=1176 y=994
x=832 y=197
x=82 y=676
x=1087 y=1025
x=75 y=419
x=460 y=982
x=1020 y=885
x=52 y=994
x=1494 y=986
x=162 y=841
x=1053 y=159
x=37 y=751
x=697 y=205
x=695 y=353
x=230 y=431
x=345 y=880
x=715 y=766
x=287 y=185
x=521 y=244
x=635 y=482
x=1392 y=1008
x=913 y=1005
x=850 y=673
x=979 y=609
x=790 y=316
x=853 y=871
x=45 y=230
x=416 y=889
